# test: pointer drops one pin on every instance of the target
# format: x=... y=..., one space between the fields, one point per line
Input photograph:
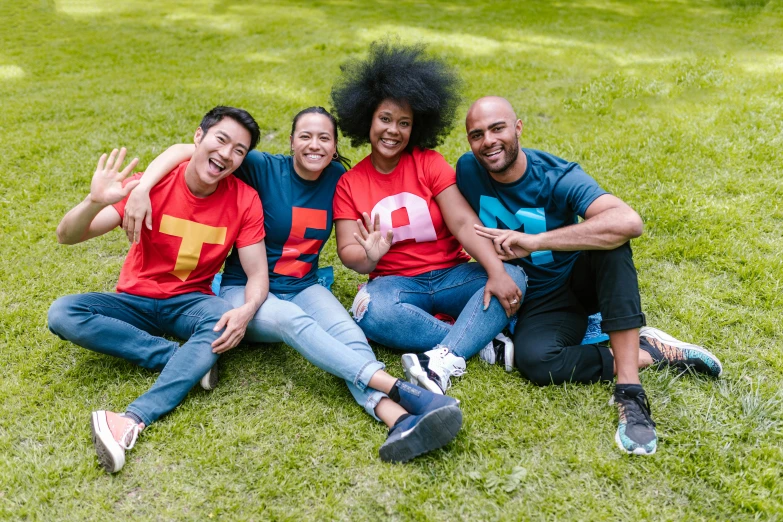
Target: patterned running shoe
x=433 y=370
x=499 y=350
x=665 y=350
x=636 y=429
x=113 y=435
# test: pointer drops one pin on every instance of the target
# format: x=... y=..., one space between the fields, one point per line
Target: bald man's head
x=493 y=133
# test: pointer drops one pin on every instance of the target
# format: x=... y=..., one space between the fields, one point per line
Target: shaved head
x=495 y=104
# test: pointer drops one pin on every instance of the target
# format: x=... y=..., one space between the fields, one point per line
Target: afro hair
x=401 y=73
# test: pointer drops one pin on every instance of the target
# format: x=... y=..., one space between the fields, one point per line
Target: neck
x=306 y=174
x=195 y=185
x=384 y=165
x=514 y=171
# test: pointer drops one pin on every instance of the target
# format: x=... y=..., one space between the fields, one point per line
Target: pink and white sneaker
x=112 y=436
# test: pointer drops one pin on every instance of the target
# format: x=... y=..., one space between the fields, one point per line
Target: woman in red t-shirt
x=399 y=214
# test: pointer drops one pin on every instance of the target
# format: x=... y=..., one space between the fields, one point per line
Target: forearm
x=256 y=292
x=75 y=225
x=163 y=164
x=355 y=257
x=479 y=248
x=605 y=231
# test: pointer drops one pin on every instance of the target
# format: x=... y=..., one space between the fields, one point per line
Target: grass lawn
x=675 y=106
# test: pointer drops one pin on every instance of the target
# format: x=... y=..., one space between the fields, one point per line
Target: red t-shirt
x=190 y=236
x=405 y=201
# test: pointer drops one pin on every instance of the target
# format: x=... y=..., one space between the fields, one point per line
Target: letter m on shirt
x=527 y=220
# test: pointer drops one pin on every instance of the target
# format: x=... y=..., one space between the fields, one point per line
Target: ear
x=291 y=142
x=519 y=126
x=198 y=136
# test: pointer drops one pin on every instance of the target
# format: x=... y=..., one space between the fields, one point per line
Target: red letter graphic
x=296 y=245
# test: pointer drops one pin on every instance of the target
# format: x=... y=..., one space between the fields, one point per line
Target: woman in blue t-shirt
x=296 y=192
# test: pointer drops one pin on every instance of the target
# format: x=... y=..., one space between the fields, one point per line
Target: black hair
x=240 y=116
x=345 y=162
x=401 y=73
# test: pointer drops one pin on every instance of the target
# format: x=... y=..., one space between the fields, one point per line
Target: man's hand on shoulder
x=106 y=187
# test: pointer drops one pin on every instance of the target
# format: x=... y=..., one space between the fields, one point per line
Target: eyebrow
x=471 y=131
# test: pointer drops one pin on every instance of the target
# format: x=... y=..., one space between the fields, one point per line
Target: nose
x=312 y=144
x=225 y=150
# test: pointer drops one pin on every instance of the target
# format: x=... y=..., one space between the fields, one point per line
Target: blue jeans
x=130 y=327
x=397 y=311
x=315 y=324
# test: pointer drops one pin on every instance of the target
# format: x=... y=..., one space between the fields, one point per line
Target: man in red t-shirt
x=164 y=287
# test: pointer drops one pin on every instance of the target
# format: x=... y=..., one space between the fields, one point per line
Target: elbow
x=62 y=238
x=635 y=226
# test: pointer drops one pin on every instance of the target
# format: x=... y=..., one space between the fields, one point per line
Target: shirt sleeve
x=251 y=230
x=437 y=171
x=120 y=205
x=251 y=169
x=343 y=206
x=576 y=190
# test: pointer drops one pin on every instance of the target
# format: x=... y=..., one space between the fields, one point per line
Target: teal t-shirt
x=297 y=220
x=552 y=193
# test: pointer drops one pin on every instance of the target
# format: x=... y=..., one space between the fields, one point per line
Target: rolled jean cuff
x=372 y=401
x=618 y=324
x=365 y=374
x=144 y=418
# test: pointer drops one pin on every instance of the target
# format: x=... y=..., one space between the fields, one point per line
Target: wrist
x=93 y=202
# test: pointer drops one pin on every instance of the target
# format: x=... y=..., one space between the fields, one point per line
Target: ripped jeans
x=397 y=311
x=315 y=324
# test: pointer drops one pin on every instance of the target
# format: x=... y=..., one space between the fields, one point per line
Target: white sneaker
x=112 y=436
x=210 y=379
x=433 y=370
x=499 y=350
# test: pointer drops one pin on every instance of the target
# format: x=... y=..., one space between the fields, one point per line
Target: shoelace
x=133 y=430
x=642 y=413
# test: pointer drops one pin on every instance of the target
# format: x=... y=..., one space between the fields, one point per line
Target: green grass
x=675 y=106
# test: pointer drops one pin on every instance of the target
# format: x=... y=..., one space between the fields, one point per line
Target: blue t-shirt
x=297 y=220
x=551 y=194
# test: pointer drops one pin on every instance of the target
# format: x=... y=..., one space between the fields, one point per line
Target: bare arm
x=95 y=216
x=138 y=209
x=460 y=219
x=254 y=263
x=360 y=243
x=609 y=222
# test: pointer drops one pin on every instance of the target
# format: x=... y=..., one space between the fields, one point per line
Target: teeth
x=314 y=156
x=218 y=164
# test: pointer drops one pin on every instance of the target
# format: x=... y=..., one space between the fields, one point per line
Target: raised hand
x=508 y=244
x=106 y=186
x=372 y=240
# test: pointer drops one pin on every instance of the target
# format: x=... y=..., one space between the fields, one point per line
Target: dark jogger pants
x=550 y=328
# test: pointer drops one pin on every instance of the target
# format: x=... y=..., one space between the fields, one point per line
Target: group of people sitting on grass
x=402 y=215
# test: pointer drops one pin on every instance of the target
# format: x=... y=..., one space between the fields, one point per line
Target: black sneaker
x=418 y=434
x=665 y=350
x=636 y=429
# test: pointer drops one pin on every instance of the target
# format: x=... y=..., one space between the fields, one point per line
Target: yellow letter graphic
x=193 y=235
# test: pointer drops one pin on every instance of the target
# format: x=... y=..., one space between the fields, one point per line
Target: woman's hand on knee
x=235 y=323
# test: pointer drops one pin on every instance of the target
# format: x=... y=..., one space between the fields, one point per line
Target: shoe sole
x=433 y=431
x=109 y=457
x=648 y=331
x=508 y=353
x=416 y=375
x=637 y=451
x=210 y=379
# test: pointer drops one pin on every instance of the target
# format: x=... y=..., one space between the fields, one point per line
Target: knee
x=59 y=315
x=517 y=273
x=534 y=368
x=361 y=304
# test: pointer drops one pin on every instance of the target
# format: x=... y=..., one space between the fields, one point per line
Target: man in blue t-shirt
x=530 y=203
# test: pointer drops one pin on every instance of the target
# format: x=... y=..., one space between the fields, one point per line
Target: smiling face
x=390 y=132
x=313 y=144
x=219 y=152
x=493 y=133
